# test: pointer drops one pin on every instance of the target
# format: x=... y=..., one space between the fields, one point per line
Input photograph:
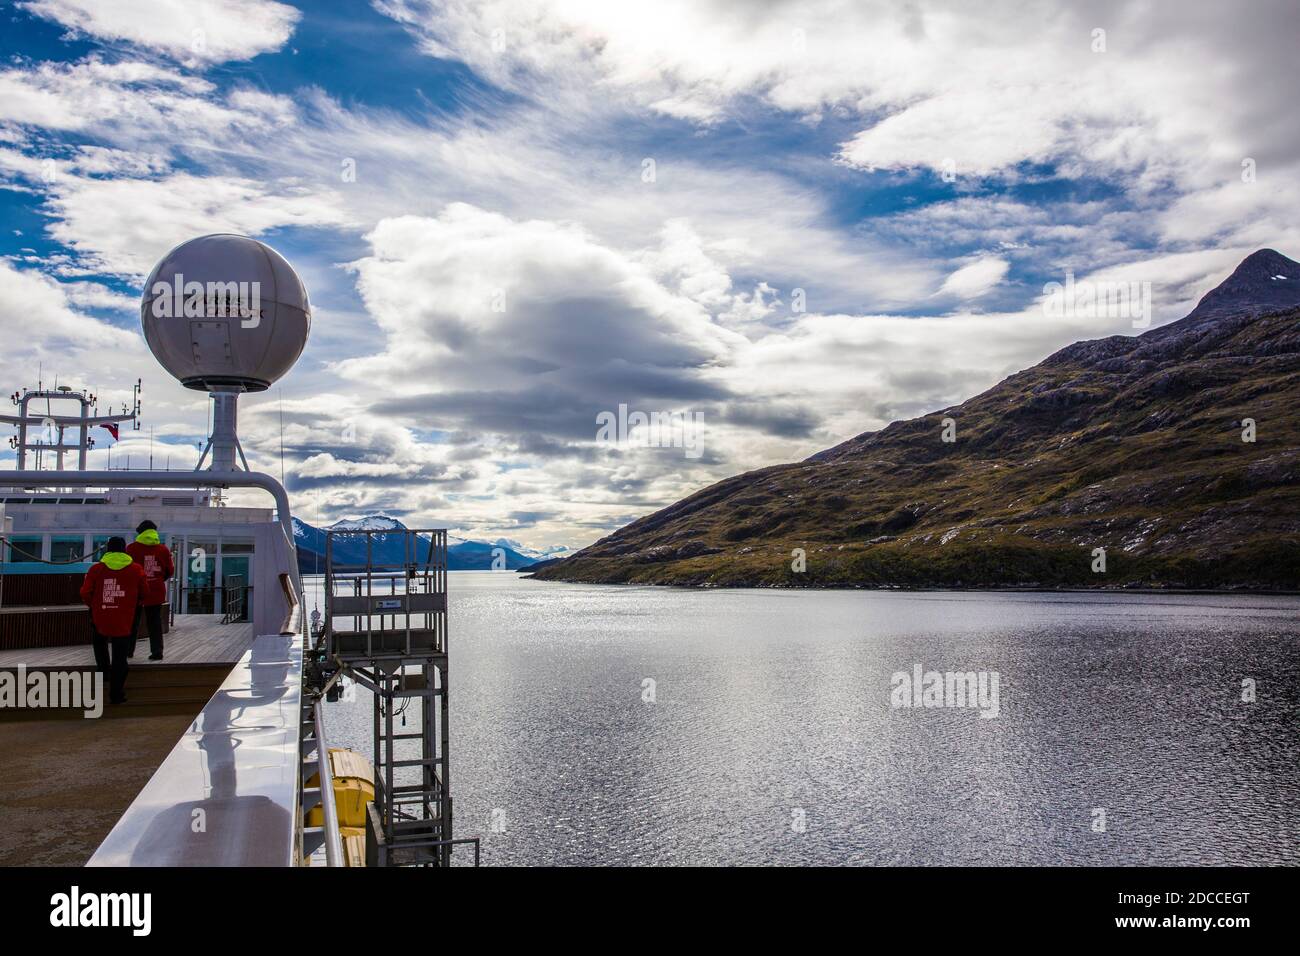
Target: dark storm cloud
x=556 y=412
x=533 y=517
x=535 y=410
x=295 y=481
x=538 y=446
x=781 y=421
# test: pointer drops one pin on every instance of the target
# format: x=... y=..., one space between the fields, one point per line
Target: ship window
x=200 y=577
x=24 y=550
x=67 y=548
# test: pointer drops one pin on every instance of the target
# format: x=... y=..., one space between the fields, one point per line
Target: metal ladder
x=314 y=749
x=396 y=647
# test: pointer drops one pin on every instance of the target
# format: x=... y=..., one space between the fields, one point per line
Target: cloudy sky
x=799 y=221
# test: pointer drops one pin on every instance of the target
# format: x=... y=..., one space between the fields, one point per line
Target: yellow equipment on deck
x=354 y=787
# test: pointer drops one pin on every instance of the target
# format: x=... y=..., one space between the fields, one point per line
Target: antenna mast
x=39 y=433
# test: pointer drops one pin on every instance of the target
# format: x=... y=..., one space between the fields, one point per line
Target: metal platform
x=392 y=606
x=387 y=616
x=385 y=627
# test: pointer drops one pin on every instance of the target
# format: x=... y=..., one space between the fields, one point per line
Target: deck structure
x=193 y=639
x=385 y=627
x=199 y=651
x=56 y=753
x=227 y=794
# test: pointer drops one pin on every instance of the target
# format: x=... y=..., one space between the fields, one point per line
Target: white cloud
x=987 y=86
x=975 y=279
x=73 y=96
x=40 y=320
x=675 y=293
x=123 y=226
x=191 y=31
x=968 y=132
x=327 y=466
x=474 y=299
x=129 y=101
x=94 y=295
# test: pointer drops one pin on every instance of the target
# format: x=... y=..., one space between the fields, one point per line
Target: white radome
x=225 y=313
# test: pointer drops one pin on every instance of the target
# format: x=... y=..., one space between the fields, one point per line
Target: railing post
x=333 y=839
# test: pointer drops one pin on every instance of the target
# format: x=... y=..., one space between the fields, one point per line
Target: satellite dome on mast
x=225 y=313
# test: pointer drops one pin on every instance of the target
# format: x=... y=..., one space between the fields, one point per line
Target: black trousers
x=152 y=614
x=114 y=669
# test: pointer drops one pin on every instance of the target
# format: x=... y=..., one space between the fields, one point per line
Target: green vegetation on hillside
x=1129 y=444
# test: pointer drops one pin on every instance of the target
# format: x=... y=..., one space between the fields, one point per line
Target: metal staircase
x=314 y=750
x=385 y=627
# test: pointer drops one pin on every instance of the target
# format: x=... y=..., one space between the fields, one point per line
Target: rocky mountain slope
x=1128 y=444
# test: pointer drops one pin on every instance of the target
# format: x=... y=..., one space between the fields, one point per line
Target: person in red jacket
x=112 y=589
x=156 y=560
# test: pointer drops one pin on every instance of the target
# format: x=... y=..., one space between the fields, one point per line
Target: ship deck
x=68 y=780
x=193 y=639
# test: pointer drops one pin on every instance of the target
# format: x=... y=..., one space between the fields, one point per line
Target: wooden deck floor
x=193 y=639
x=67 y=781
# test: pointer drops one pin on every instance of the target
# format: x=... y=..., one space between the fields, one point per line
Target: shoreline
x=1266 y=592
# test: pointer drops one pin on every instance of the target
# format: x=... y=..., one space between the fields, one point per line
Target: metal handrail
x=37 y=559
x=234 y=602
x=415 y=844
x=333 y=838
x=221 y=595
x=291 y=618
x=251 y=730
x=147 y=479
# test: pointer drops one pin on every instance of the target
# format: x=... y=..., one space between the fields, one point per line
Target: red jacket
x=156 y=560
x=112 y=596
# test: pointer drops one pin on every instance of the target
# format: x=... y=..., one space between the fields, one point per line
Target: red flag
x=112 y=429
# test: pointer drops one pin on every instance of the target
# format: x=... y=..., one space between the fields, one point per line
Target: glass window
x=200 y=577
x=201 y=563
x=24 y=549
x=234 y=571
x=66 y=548
x=236 y=587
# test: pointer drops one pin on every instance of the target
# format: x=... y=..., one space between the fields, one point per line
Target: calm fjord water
x=772 y=715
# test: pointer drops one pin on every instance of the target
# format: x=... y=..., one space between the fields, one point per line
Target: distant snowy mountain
x=368 y=523
x=554 y=551
x=350 y=549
